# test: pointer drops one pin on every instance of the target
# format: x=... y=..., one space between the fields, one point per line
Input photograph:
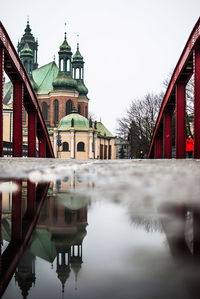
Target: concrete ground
x=152 y=180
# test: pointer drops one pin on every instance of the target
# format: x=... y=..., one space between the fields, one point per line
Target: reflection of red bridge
x=188 y=64
x=23 y=94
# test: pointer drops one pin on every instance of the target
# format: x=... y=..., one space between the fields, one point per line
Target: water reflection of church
x=57 y=238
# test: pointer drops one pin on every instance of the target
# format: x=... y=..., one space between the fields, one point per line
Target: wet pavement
x=100 y=229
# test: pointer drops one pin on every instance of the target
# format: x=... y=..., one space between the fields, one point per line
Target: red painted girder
x=17 y=213
x=180 y=120
x=32 y=127
x=18 y=66
x=13 y=253
x=187 y=52
x=42 y=147
x=1 y=99
x=197 y=103
x=158 y=147
x=167 y=134
x=17 y=119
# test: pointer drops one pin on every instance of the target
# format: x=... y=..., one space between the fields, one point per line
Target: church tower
x=78 y=75
x=28 y=42
x=64 y=80
x=26 y=56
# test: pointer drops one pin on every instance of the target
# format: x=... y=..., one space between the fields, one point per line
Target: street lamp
x=59 y=142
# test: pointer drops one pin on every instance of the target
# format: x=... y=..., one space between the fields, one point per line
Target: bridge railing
x=23 y=94
x=175 y=100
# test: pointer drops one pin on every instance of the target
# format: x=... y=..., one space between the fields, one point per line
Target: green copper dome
x=73 y=202
x=64 y=81
x=26 y=51
x=65 y=47
x=77 y=56
x=82 y=89
x=81 y=123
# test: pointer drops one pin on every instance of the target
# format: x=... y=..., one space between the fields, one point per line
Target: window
x=56 y=111
x=65 y=146
x=69 y=107
x=62 y=65
x=44 y=111
x=68 y=65
x=79 y=109
x=80 y=147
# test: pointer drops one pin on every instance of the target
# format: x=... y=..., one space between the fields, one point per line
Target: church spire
x=29 y=39
x=78 y=71
x=64 y=80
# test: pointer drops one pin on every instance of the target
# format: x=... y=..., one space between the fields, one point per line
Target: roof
x=64 y=81
x=43 y=246
x=7 y=93
x=6 y=107
x=73 y=202
x=26 y=51
x=77 y=56
x=102 y=130
x=81 y=123
x=65 y=47
x=44 y=76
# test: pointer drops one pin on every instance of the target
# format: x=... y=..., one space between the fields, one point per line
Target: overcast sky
x=129 y=46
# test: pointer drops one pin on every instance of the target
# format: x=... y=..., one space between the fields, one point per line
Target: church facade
x=62 y=96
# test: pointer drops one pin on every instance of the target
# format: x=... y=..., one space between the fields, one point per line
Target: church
x=62 y=96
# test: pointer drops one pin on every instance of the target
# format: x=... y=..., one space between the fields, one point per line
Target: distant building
x=60 y=89
x=122 y=148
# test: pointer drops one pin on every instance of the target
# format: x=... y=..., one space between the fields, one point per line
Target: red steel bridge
x=175 y=100
x=23 y=95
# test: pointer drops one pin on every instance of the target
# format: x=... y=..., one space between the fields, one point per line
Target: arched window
x=69 y=104
x=62 y=65
x=56 y=111
x=44 y=111
x=79 y=109
x=68 y=65
x=81 y=147
x=65 y=146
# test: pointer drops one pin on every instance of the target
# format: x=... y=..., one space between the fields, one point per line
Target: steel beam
x=158 y=147
x=196 y=58
x=0 y=231
x=167 y=134
x=184 y=59
x=42 y=147
x=1 y=99
x=17 y=213
x=31 y=196
x=180 y=120
x=32 y=127
x=18 y=90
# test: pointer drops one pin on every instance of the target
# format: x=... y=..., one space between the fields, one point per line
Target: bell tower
x=28 y=39
x=78 y=75
x=64 y=80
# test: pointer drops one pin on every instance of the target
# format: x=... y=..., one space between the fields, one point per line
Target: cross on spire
x=65 y=31
x=77 y=41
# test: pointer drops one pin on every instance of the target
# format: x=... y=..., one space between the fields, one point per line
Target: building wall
x=7 y=125
x=113 y=152
x=62 y=98
x=83 y=136
x=103 y=148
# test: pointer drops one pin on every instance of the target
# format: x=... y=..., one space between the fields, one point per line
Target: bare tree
x=138 y=124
